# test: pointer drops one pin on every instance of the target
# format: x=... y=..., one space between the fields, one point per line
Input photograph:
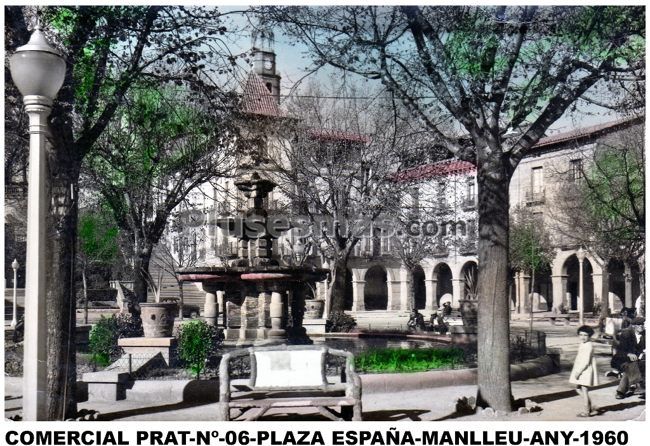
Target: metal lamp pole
x=38 y=70
x=581 y=254
x=15 y=266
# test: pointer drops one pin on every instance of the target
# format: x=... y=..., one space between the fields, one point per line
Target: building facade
x=442 y=199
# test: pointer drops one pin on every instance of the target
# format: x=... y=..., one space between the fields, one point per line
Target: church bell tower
x=264 y=60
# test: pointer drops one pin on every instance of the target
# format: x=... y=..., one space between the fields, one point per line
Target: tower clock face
x=268 y=64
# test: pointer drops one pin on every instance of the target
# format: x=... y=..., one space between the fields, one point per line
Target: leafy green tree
x=161 y=146
x=98 y=245
x=486 y=71
x=531 y=249
x=604 y=208
x=107 y=49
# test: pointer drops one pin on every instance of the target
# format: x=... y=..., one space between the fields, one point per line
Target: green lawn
x=395 y=360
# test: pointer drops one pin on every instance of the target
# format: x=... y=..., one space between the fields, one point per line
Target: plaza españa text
x=352 y=437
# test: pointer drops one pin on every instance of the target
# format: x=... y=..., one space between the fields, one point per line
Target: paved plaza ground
x=555 y=398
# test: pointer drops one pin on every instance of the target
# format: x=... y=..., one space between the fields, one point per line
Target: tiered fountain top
x=254 y=262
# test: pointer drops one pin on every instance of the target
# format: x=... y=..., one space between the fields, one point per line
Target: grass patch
x=395 y=360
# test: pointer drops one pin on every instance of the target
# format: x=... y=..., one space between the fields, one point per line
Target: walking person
x=584 y=373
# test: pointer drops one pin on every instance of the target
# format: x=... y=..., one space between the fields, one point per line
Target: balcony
x=534 y=196
x=468 y=203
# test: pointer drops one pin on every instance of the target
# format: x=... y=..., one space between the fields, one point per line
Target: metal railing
x=526 y=344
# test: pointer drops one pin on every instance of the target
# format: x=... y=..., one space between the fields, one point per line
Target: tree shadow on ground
x=376 y=415
x=547 y=397
x=619 y=406
x=149 y=410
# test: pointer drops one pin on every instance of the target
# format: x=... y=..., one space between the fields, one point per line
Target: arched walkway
x=375 y=294
x=469 y=275
x=443 y=276
x=616 y=270
x=572 y=268
x=419 y=288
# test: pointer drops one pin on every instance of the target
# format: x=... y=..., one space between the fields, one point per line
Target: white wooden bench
x=290 y=377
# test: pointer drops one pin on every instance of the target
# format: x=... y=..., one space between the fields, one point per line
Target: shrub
x=197 y=343
x=340 y=322
x=408 y=360
x=103 y=336
x=128 y=326
x=102 y=340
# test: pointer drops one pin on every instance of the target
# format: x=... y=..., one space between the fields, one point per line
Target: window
x=471 y=189
x=442 y=194
x=470 y=194
x=537 y=179
x=575 y=170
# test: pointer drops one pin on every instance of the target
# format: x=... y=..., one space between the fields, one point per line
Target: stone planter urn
x=158 y=318
x=314 y=308
x=469 y=313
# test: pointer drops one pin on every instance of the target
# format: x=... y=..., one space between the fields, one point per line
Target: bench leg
x=356 y=412
x=223 y=412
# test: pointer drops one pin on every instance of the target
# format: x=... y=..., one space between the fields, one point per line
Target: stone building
x=444 y=194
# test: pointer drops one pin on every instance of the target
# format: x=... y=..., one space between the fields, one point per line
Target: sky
x=293 y=64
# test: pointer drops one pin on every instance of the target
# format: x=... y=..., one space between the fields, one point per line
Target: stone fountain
x=272 y=295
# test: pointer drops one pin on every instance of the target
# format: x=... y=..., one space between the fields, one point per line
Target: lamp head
x=15 y=264
x=37 y=68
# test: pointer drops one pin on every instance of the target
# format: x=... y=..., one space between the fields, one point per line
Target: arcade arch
x=375 y=294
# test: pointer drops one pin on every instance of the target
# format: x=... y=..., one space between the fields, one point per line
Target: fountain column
x=276 y=310
x=221 y=303
x=262 y=315
x=211 y=307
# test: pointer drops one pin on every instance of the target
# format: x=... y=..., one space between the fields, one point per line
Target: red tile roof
x=587 y=132
x=337 y=135
x=439 y=169
x=256 y=98
x=453 y=166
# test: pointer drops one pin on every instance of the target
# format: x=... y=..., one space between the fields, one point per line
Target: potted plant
x=158 y=316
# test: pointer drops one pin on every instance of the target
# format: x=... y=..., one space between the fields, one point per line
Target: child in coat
x=584 y=373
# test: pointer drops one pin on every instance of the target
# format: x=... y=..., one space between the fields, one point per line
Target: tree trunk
x=182 y=300
x=337 y=287
x=85 y=285
x=140 y=273
x=641 y=262
x=532 y=298
x=60 y=299
x=493 y=310
x=410 y=296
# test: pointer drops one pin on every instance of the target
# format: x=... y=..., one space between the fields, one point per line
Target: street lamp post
x=38 y=70
x=581 y=254
x=15 y=266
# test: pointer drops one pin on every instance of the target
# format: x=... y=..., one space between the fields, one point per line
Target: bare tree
x=531 y=250
x=335 y=169
x=488 y=70
x=173 y=252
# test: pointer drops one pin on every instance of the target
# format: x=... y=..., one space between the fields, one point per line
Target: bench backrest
x=288 y=368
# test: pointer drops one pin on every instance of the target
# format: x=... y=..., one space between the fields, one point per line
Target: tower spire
x=263 y=42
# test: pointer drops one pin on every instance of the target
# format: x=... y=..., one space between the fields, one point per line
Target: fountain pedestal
x=255 y=275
